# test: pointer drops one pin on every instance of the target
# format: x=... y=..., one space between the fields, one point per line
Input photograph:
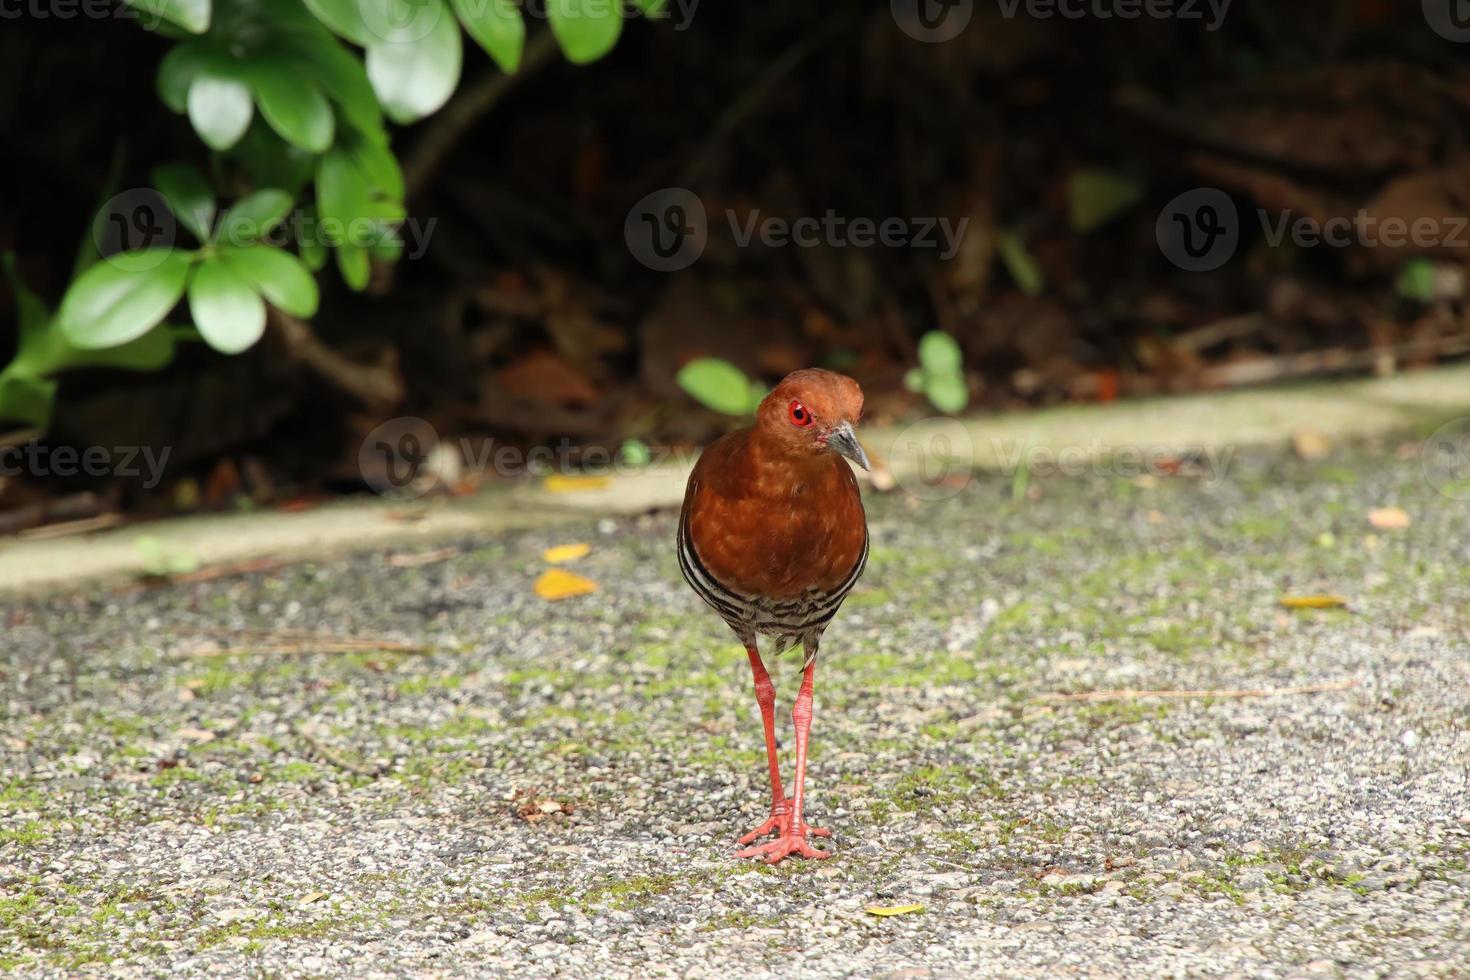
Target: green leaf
x=342 y=195
x=635 y=453
x=161 y=559
x=272 y=162
x=191 y=15
x=717 y=384
x=1416 y=281
x=31 y=314
x=352 y=261
x=414 y=68
x=189 y=197
x=939 y=353
x=947 y=392
x=343 y=78
x=1098 y=196
x=913 y=379
x=26 y=399
x=311 y=244
x=220 y=109
x=498 y=28
x=122 y=298
x=278 y=276
x=254 y=216
x=343 y=17
x=228 y=314
x=178 y=69
x=585 y=29
x=1020 y=264
x=378 y=166
x=293 y=106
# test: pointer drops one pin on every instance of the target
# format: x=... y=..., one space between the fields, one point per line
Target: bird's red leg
x=794 y=833
x=765 y=694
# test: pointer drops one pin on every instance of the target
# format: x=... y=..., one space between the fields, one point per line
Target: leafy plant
x=164 y=560
x=1095 y=197
x=940 y=376
x=720 y=385
x=292 y=99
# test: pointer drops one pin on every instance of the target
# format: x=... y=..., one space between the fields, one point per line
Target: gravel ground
x=555 y=788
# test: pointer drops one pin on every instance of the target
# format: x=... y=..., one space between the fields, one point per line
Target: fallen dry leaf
x=562 y=483
x=557 y=584
x=893 y=909
x=566 y=552
x=1314 y=601
x=1310 y=443
x=1389 y=518
x=308 y=899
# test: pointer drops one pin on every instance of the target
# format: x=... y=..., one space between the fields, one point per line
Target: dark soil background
x=527 y=318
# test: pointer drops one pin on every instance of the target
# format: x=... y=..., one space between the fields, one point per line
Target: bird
x=773 y=536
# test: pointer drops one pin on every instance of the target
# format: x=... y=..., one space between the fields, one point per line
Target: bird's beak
x=843 y=441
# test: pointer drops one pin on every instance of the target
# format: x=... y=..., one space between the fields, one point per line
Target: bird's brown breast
x=774 y=527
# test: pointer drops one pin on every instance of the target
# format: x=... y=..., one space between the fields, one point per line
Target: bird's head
x=813 y=411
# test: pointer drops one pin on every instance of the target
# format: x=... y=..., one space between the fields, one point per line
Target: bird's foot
x=779 y=822
x=792 y=841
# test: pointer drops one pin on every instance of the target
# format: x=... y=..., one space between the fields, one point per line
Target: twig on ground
x=1333 y=360
x=336 y=758
x=1129 y=694
x=287 y=641
x=375 y=385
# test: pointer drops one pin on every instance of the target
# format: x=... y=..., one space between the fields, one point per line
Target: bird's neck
x=770 y=463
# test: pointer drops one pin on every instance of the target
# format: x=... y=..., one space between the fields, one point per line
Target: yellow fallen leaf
x=893 y=909
x=313 y=897
x=566 y=552
x=1389 y=518
x=557 y=584
x=563 y=483
x=1314 y=601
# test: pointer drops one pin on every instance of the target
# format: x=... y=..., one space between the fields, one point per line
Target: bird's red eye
x=799 y=414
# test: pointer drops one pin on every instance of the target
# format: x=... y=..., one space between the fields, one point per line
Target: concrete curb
x=919 y=455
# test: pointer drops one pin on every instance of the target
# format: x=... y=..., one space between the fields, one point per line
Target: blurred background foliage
x=319 y=215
